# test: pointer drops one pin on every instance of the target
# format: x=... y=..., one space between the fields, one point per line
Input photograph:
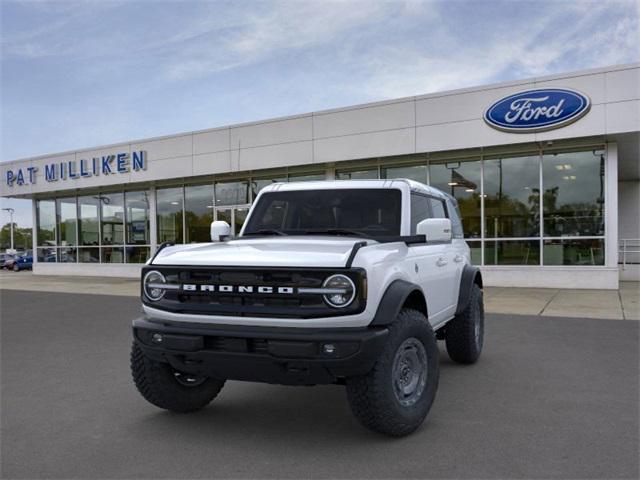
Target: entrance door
x=234 y=216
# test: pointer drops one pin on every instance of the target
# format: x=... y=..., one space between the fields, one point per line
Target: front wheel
x=396 y=395
x=16 y=268
x=167 y=388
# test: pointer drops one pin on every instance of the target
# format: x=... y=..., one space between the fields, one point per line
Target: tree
x=21 y=237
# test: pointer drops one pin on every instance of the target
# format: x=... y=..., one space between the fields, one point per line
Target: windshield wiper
x=266 y=231
x=338 y=231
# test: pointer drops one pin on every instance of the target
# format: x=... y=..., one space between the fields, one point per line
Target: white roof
x=399 y=183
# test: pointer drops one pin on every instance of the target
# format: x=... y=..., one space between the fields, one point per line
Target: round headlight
x=152 y=285
x=343 y=291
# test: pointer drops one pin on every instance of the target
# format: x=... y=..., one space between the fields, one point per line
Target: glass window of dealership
x=530 y=206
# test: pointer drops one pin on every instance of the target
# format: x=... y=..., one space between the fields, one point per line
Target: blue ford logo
x=537 y=110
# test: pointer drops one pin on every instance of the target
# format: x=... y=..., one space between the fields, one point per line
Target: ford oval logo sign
x=537 y=110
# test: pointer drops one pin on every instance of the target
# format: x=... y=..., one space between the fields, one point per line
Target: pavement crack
x=549 y=302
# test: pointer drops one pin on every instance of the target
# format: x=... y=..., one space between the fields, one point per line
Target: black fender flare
x=392 y=301
x=470 y=275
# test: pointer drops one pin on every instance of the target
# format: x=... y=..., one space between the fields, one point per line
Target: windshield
x=358 y=212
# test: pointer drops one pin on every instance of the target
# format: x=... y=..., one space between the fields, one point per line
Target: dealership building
x=546 y=172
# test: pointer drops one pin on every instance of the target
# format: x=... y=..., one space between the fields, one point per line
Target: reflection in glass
x=413 y=172
x=112 y=205
x=574 y=252
x=476 y=252
x=46 y=218
x=67 y=212
x=461 y=180
x=198 y=212
x=224 y=215
x=137 y=218
x=368 y=174
x=112 y=255
x=47 y=254
x=232 y=193
x=307 y=177
x=137 y=254
x=573 y=198
x=258 y=184
x=169 y=208
x=240 y=215
x=512 y=252
x=67 y=255
x=512 y=197
x=89 y=255
x=88 y=220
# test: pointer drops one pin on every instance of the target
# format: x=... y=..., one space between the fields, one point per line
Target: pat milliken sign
x=537 y=110
x=105 y=165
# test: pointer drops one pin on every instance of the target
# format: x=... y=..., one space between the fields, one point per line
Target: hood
x=290 y=251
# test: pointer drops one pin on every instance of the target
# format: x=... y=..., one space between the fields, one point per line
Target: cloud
x=526 y=47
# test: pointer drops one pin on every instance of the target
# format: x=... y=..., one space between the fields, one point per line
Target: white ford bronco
x=346 y=282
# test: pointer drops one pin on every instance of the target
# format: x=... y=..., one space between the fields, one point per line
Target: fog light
x=329 y=348
x=156 y=338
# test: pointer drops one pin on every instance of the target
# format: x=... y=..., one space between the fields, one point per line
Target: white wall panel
x=623 y=116
x=593 y=123
x=462 y=107
x=166 y=169
x=209 y=163
x=469 y=134
x=299 y=153
x=271 y=133
x=623 y=85
x=211 y=141
x=592 y=85
x=366 y=119
x=379 y=144
x=166 y=147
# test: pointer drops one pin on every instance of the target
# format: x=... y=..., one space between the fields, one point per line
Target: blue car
x=24 y=262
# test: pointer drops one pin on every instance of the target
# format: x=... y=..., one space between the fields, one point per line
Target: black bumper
x=289 y=356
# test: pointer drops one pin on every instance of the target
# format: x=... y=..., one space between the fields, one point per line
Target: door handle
x=458 y=258
x=441 y=262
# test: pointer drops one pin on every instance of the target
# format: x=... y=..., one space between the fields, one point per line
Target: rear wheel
x=464 y=335
x=163 y=386
x=396 y=395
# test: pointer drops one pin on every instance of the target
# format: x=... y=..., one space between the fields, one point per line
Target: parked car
x=23 y=262
x=7 y=261
x=345 y=282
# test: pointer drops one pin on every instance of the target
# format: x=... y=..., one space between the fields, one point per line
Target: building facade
x=546 y=172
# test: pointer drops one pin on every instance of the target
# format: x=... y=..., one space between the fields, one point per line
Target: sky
x=86 y=73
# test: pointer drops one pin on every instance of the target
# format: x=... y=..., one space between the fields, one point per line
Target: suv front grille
x=275 y=303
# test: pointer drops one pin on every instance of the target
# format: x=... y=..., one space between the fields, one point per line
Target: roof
x=342 y=184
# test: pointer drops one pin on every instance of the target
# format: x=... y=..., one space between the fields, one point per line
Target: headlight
x=153 y=285
x=342 y=293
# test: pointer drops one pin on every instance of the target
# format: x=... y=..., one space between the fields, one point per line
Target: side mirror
x=219 y=230
x=435 y=229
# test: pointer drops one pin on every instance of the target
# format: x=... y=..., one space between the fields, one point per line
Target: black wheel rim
x=188 y=379
x=409 y=373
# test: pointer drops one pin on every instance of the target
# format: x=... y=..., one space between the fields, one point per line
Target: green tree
x=21 y=237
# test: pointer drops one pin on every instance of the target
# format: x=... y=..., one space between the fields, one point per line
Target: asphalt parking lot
x=550 y=398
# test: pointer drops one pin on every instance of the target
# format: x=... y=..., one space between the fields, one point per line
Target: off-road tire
x=157 y=384
x=372 y=398
x=464 y=335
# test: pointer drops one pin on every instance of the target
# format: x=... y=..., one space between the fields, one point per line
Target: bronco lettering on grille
x=192 y=287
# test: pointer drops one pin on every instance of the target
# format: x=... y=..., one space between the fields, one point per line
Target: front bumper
x=289 y=356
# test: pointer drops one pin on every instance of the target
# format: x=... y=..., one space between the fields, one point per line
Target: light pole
x=11 y=212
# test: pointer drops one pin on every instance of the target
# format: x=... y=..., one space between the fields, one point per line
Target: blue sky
x=80 y=74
